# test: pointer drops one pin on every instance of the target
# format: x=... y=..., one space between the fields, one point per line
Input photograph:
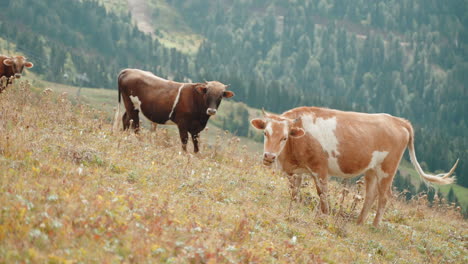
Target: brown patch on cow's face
x=277 y=131
x=213 y=93
x=17 y=64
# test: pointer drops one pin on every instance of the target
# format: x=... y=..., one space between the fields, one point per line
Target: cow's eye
x=284 y=139
x=264 y=133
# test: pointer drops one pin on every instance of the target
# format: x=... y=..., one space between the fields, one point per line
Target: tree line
x=80 y=43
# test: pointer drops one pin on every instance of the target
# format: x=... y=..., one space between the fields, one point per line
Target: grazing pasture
x=72 y=192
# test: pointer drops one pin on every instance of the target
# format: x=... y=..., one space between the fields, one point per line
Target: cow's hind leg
x=385 y=190
x=371 y=194
x=125 y=121
x=136 y=120
x=131 y=115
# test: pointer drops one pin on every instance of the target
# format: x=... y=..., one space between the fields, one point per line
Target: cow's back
x=137 y=80
x=350 y=142
x=155 y=95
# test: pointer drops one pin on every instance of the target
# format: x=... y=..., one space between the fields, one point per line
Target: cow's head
x=277 y=130
x=17 y=64
x=213 y=92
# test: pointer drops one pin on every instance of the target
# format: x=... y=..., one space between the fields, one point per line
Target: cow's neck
x=287 y=158
x=199 y=107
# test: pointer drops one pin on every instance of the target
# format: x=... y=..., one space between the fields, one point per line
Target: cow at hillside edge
x=13 y=66
x=324 y=142
x=187 y=105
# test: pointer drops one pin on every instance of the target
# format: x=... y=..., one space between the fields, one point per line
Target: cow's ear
x=228 y=94
x=296 y=132
x=201 y=88
x=258 y=123
x=28 y=64
x=8 y=62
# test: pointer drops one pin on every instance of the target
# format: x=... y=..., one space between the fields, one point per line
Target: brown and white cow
x=187 y=105
x=324 y=142
x=13 y=66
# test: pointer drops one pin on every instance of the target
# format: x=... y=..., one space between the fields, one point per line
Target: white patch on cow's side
x=176 y=100
x=136 y=102
x=377 y=159
x=376 y=163
x=323 y=130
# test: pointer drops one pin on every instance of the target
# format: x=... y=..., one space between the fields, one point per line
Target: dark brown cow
x=324 y=142
x=187 y=105
x=13 y=66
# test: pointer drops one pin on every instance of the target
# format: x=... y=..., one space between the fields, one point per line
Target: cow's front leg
x=183 y=137
x=195 y=142
x=295 y=186
x=321 y=184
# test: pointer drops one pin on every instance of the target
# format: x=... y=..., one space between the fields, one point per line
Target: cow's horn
x=263 y=111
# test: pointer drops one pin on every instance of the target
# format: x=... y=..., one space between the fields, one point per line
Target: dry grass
x=71 y=192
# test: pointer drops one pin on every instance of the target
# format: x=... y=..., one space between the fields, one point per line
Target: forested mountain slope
x=79 y=42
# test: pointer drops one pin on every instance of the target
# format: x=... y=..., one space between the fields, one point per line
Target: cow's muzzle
x=211 y=111
x=268 y=158
x=18 y=75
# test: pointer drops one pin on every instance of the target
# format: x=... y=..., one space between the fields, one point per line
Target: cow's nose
x=210 y=111
x=269 y=157
x=18 y=75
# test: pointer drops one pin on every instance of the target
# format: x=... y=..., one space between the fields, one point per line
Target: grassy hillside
x=72 y=192
x=106 y=100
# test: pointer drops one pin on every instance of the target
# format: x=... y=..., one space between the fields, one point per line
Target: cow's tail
x=117 y=116
x=443 y=178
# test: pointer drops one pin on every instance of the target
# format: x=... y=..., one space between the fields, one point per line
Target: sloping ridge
x=141 y=14
x=167 y=25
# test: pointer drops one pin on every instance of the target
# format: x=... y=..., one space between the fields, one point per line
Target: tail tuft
x=441 y=179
